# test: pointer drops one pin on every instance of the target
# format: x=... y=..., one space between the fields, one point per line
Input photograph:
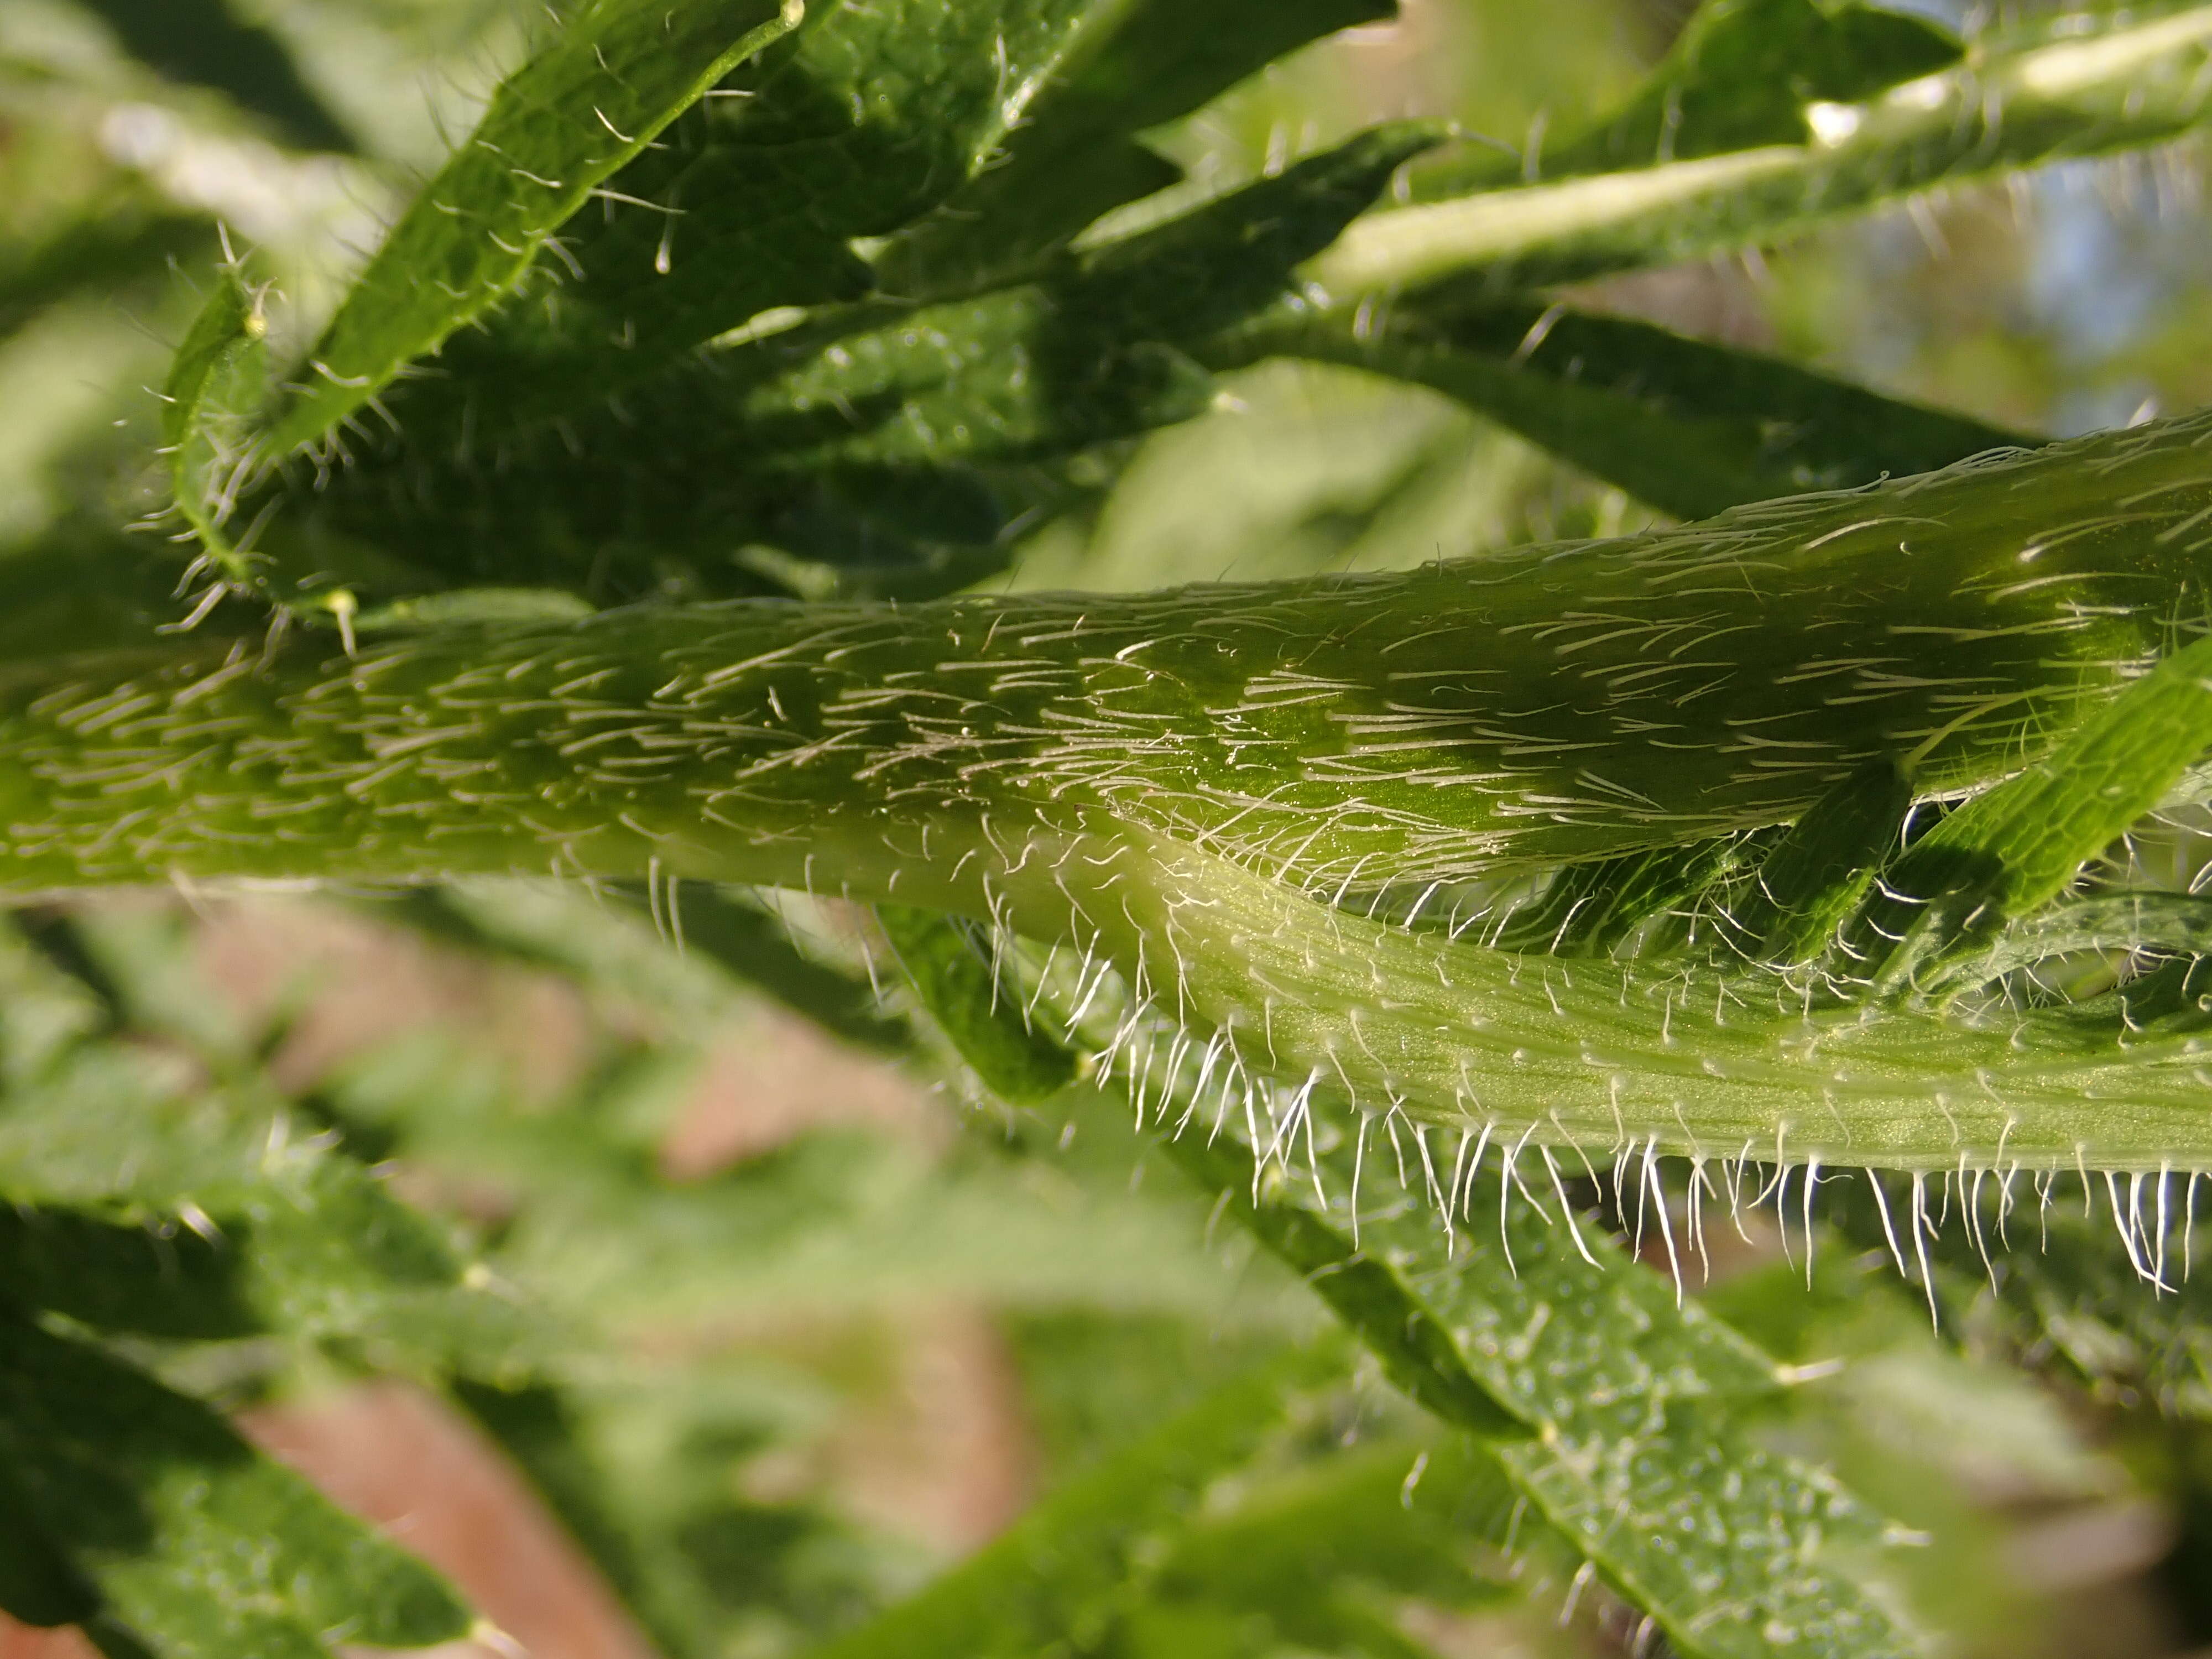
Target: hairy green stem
x=1349 y=736
x=1206 y=786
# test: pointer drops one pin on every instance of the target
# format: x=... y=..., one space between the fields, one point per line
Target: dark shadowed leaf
x=196 y=1546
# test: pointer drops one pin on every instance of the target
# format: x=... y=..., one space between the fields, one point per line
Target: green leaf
x=865 y=120
x=948 y=962
x=1815 y=877
x=1075 y=156
x=1742 y=72
x=619 y=72
x=1618 y=1414
x=195 y=1544
x=140 y=1198
x=1063 y=1572
x=1691 y=427
x=203 y=43
x=2023 y=842
x=952 y=130
x=313 y=1249
x=1315 y=1560
x=1095 y=352
x=214 y=385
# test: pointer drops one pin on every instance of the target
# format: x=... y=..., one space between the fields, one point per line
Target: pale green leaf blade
x=1610 y=1406
x=2088 y=80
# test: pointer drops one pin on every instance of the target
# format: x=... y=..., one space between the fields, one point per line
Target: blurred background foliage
x=773 y=1316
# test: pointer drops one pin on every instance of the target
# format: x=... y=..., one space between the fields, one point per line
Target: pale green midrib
x=1547 y=1053
x=2136 y=84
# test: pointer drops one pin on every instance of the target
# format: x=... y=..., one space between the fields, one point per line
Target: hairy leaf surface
x=620 y=71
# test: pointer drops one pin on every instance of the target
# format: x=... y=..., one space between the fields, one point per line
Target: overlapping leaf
x=1078 y=155
x=618 y=73
x=1691 y=427
x=1621 y=1416
x=140 y=1514
x=880 y=436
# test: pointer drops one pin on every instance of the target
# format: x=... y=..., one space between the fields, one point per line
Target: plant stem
x=1204 y=786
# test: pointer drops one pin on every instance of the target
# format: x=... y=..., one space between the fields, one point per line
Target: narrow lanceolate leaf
x=1691 y=427
x=1064 y=1571
x=858 y=439
x=949 y=963
x=875 y=114
x=2083 y=81
x=2007 y=851
x=1616 y=1411
x=214 y=388
x=617 y=73
x=147 y=1518
x=1616 y=1414
x=1077 y=155
x=1815 y=876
